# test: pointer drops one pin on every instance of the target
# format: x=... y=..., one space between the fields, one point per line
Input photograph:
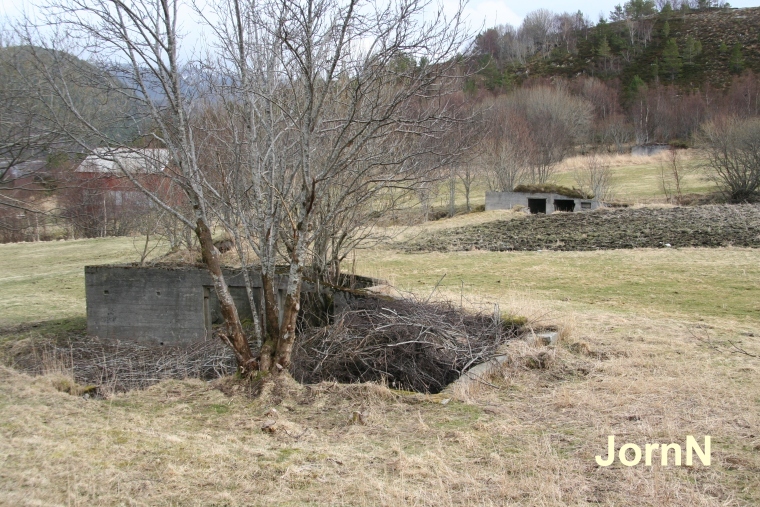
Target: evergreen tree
x=636 y=88
x=736 y=63
x=666 y=30
x=692 y=50
x=603 y=51
x=637 y=84
x=671 y=59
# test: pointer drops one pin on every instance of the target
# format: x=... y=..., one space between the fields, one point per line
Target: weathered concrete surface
x=647 y=150
x=508 y=200
x=166 y=305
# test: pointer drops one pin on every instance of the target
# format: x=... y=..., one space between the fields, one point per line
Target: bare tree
x=540 y=26
x=557 y=121
x=672 y=172
x=507 y=150
x=595 y=177
x=732 y=150
x=329 y=107
x=140 y=42
x=24 y=137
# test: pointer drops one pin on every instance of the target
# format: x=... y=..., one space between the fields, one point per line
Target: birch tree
x=333 y=105
x=293 y=119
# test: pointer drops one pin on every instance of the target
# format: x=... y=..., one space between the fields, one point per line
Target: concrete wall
x=647 y=150
x=508 y=200
x=164 y=305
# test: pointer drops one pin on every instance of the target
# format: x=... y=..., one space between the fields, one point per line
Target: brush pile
x=408 y=344
x=411 y=345
x=116 y=366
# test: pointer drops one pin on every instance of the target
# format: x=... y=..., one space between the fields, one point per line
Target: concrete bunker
x=566 y=205
x=537 y=205
x=539 y=202
x=176 y=305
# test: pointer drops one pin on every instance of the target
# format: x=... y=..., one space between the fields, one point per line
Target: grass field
x=635 y=179
x=45 y=281
x=649 y=353
x=638 y=179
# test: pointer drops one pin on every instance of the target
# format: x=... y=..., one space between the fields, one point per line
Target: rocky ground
x=604 y=229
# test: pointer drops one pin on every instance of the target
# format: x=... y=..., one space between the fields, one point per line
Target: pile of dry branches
x=116 y=366
x=410 y=345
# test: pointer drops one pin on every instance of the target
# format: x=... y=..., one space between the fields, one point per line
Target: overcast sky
x=480 y=13
x=496 y=12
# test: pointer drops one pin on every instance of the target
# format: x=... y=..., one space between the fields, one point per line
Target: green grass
x=642 y=180
x=45 y=281
x=721 y=282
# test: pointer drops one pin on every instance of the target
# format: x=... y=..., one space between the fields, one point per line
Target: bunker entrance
x=564 y=205
x=537 y=206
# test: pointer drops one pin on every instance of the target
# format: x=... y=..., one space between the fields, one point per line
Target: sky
x=480 y=13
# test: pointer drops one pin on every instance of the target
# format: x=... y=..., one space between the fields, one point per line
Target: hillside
x=711 y=46
x=31 y=82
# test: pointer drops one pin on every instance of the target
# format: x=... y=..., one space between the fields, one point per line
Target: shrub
x=732 y=148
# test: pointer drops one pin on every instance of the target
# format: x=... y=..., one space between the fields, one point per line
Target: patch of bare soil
x=606 y=229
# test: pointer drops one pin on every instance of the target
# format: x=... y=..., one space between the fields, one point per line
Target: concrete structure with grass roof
x=541 y=202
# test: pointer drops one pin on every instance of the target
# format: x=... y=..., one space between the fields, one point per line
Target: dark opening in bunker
x=537 y=205
x=564 y=205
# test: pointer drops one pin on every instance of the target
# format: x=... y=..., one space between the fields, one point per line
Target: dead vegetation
x=529 y=438
x=408 y=344
x=411 y=345
x=104 y=367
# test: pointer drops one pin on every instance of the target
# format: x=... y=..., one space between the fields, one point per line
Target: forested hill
x=687 y=48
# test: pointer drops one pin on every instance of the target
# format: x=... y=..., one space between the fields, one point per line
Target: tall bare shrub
x=595 y=177
x=732 y=152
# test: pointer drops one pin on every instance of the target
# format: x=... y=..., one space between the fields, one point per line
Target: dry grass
x=646 y=369
x=638 y=179
x=532 y=440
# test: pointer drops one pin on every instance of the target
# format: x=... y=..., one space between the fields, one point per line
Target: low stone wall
x=167 y=305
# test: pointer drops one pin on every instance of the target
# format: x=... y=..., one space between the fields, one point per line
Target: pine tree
x=692 y=50
x=736 y=63
x=666 y=30
x=604 y=51
x=671 y=59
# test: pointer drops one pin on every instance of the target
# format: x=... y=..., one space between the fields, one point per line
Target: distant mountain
x=33 y=81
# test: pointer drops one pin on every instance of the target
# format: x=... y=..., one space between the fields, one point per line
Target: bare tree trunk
x=233 y=335
x=271 y=320
x=287 y=338
x=452 y=193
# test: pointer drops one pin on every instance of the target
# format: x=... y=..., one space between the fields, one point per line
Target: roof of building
x=118 y=161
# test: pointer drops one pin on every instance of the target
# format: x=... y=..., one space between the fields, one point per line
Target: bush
x=732 y=148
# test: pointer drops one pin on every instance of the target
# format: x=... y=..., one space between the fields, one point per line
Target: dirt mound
x=699 y=226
